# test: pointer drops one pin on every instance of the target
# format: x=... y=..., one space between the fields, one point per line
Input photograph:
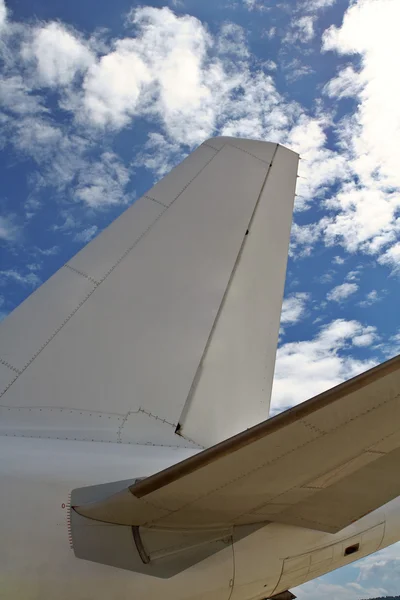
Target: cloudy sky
x=99 y=99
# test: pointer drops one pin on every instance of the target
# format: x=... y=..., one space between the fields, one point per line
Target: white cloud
x=319 y=167
x=232 y=41
x=57 y=53
x=368 y=337
x=383 y=566
x=9 y=231
x=371 y=298
x=392 y=347
x=163 y=71
x=16 y=97
x=341 y=292
x=306 y=368
x=346 y=84
x=69 y=223
x=86 y=235
x=103 y=182
x=255 y=5
x=320 y=589
x=30 y=280
x=159 y=155
x=171 y=71
x=301 y=30
x=113 y=85
x=69 y=164
x=338 y=260
x=270 y=65
x=313 y=5
x=354 y=275
x=270 y=33
x=3 y=14
x=295 y=69
x=367 y=209
x=303 y=238
x=34 y=266
x=391 y=257
x=293 y=308
x=37 y=137
x=48 y=251
x=366 y=218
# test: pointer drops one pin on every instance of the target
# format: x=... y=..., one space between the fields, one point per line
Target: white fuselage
x=37 y=562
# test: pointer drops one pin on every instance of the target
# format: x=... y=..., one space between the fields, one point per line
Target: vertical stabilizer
x=232 y=387
x=168 y=320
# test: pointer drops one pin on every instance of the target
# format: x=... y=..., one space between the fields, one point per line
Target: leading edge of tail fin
x=169 y=319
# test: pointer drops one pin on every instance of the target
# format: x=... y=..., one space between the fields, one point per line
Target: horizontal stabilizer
x=322 y=465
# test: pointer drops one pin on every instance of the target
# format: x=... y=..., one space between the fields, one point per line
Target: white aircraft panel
x=99 y=257
x=87 y=426
x=173 y=184
x=261 y=150
x=29 y=328
x=60 y=423
x=138 y=340
x=7 y=376
x=238 y=367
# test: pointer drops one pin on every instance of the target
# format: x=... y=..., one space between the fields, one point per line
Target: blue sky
x=99 y=99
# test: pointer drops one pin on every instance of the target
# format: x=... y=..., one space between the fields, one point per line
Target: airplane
x=137 y=456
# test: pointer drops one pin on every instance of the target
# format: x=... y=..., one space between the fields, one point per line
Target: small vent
x=351 y=549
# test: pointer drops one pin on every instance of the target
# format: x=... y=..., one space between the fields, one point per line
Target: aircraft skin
x=37 y=561
x=155 y=345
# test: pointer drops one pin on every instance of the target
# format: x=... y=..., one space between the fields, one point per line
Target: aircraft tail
x=168 y=321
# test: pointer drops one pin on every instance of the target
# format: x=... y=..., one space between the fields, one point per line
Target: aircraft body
x=136 y=460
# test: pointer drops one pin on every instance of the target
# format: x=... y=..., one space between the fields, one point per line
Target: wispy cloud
x=29 y=279
x=306 y=368
x=301 y=30
x=57 y=54
x=293 y=308
x=371 y=298
x=342 y=292
x=9 y=230
x=86 y=235
x=367 y=207
x=3 y=14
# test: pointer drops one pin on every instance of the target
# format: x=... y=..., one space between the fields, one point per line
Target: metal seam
x=267 y=162
x=81 y=439
x=187 y=404
x=197 y=174
x=49 y=339
x=103 y=278
x=157 y=201
x=94 y=413
x=6 y=364
x=119 y=432
x=157 y=218
x=68 y=266
x=209 y=146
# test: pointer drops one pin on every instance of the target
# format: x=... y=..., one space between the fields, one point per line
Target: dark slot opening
x=351 y=549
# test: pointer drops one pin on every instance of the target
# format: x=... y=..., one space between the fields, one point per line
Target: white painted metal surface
x=113 y=348
x=319 y=465
x=117 y=337
x=36 y=561
x=238 y=365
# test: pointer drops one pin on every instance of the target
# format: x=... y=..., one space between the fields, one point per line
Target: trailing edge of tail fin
x=232 y=388
x=169 y=319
